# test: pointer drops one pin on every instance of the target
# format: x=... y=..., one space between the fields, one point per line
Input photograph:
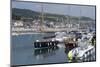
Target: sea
x=23 y=52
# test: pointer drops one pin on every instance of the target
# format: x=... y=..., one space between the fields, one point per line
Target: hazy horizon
x=73 y=10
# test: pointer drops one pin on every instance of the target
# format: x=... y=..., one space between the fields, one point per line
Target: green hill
x=17 y=14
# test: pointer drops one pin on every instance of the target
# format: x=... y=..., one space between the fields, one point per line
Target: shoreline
x=24 y=33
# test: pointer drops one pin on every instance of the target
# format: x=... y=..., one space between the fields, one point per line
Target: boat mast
x=79 y=20
x=42 y=12
x=42 y=18
x=69 y=18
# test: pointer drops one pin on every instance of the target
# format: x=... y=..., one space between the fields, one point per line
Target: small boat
x=60 y=36
x=40 y=44
x=70 y=42
x=50 y=41
x=81 y=52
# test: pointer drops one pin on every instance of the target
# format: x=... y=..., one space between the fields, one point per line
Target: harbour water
x=23 y=52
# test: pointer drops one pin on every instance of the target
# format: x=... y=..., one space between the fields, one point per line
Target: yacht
x=81 y=52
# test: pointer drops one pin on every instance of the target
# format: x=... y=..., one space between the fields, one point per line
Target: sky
x=73 y=10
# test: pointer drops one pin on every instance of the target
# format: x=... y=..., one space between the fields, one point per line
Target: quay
x=45 y=30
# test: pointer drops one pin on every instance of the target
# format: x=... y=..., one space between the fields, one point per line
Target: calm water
x=23 y=52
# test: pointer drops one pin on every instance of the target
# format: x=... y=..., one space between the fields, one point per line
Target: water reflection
x=23 y=52
x=45 y=52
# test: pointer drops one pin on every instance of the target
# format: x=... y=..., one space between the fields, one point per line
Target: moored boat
x=45 y=44
x=81 y=52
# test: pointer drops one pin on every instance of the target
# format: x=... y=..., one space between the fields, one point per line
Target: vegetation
x=17 y=14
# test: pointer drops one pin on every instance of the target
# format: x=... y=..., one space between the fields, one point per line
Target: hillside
x=17 y=14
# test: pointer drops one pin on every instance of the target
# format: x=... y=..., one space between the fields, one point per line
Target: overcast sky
x=74 y=10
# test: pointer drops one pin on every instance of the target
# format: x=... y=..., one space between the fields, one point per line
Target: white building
x=18 y=23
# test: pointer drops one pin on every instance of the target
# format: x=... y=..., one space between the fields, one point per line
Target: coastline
x=24 y=33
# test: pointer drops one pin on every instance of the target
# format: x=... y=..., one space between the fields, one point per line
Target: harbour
x=47 y=36
x=23 y=47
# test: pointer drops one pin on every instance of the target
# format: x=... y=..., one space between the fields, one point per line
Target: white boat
x=81 y=52
x=60 y=36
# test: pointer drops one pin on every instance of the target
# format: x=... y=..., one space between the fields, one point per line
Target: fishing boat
x=45 y=43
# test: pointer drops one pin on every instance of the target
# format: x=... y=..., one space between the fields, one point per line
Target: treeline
x=17 y=14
